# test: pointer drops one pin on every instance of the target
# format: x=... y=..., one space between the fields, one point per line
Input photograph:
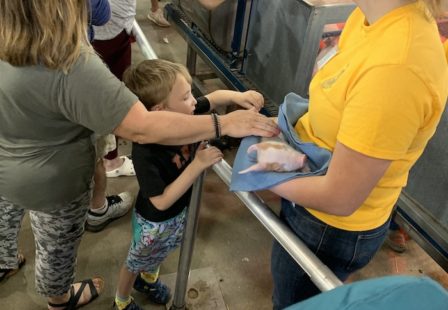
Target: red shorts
x=115 y=52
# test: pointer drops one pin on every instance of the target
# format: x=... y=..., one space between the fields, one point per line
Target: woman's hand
x=242 y=123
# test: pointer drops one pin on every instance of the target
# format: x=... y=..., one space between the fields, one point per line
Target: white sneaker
x=158 y=18
x=117 y=206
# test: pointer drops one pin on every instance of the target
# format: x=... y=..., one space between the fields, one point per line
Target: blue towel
x=318 y=158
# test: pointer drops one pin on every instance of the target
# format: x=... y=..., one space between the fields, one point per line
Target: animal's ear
x=252 y=148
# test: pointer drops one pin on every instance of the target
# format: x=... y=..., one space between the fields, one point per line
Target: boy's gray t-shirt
x=46 y=121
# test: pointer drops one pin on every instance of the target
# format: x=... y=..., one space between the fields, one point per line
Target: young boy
x=165 y=175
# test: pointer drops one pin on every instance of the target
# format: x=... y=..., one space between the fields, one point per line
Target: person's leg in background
x=10 y=221
x=156 y=15
x=396 y=238
x=117 y=54
x=104 y=209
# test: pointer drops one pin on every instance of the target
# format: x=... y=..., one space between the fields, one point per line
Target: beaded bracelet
x=217 y=125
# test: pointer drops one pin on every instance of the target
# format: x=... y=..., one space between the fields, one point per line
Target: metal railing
x=319 y=273
x=142 y=42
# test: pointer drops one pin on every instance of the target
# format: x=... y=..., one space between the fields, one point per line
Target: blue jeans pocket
x=367 y=244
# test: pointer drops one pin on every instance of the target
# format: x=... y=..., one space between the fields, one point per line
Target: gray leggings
x=57 y=235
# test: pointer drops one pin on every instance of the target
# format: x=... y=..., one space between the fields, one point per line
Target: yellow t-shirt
x=381 y=95
x=446 y=49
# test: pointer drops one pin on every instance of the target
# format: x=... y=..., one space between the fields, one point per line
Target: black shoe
x=157 y=292
x=132 y=306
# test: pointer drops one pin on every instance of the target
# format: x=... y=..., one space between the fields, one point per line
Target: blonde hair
x=47 y=32
x=435 y=7
x=152 y=80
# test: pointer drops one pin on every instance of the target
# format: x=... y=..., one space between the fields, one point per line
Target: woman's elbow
x=139 y=126
x=344 y=207
x=129 y=133
x=345 y=212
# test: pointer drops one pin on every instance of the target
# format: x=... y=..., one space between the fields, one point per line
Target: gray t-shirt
x=46 y=122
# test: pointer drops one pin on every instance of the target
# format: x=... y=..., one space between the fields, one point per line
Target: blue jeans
x=393 y=225
x=342 y=251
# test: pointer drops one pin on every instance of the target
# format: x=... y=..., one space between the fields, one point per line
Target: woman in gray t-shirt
x=54 y=93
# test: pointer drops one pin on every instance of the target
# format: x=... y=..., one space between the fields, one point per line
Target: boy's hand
x=250 y=99
x=206 y=157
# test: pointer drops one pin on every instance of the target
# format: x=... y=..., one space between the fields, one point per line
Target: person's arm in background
x=99 y=12
x=248 y=99
x=211 y=4
x=171 y=128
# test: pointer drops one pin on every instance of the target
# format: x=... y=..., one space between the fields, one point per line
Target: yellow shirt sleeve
x=385 y=109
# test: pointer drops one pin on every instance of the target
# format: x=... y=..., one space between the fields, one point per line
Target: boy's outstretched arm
x=248 y=99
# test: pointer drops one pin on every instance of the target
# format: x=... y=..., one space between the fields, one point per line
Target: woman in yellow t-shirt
x=375 y=105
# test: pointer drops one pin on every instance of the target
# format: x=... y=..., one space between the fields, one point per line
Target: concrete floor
x=230 y=239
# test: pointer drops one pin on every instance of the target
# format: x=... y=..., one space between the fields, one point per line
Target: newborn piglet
x=276 y=156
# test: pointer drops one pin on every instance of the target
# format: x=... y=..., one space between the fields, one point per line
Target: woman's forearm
x=172 y=128
x=163 y=127
x=350 y=178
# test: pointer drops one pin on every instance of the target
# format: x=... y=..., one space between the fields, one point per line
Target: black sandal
x=72 y=303
x=7 y=273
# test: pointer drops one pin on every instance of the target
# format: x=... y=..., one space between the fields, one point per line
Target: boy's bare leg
x=123 y=297
x=125 y=282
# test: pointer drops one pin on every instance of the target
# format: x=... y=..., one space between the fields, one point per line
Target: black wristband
x=217 y=125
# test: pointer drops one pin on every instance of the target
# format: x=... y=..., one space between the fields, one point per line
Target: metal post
x=238 y=27
x=186 y=250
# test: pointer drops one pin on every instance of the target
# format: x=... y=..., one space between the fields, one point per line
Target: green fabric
x=390 y=292
x=46 y=122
